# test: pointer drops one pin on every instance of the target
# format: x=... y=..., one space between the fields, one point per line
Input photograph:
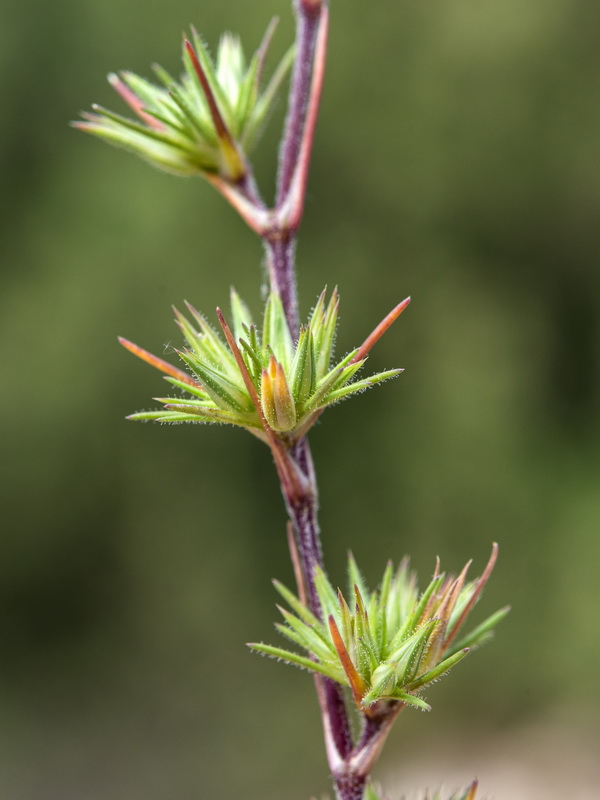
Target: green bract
x=203 y=123
x=388 y=644
x=260 y=380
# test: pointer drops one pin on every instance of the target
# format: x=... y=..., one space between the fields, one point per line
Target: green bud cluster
x=203 y=123
x=389 y=644
x=375 y=792
x=464 y=794
x=263 y=381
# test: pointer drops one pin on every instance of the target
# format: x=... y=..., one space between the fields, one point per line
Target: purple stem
x=370 y=730
x=280 y=243
x=349 y=781
x=350 y=787
x=308 y=19
x=248 y=188
x=303 y=513
x=281 y=251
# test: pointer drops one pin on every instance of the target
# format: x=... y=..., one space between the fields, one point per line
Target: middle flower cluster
x=259 y=380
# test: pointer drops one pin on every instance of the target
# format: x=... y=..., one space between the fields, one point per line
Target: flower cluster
x=464 y=794
x=261 y=380
x=375 y=792
x=388 y=644
x=203 y=123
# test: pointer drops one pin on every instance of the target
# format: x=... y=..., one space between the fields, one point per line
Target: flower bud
x=276 y=398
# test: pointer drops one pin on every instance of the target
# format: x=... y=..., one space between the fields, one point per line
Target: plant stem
x=302 y=511
x=294 y=158
x=280 y=243
x=350 y=787
x=281 y=251
x=308 y=19
x=349 y=763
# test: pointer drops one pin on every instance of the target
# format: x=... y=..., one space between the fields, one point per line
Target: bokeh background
x=457 y=160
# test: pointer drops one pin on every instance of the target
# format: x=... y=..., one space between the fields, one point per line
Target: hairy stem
x=281 y=251
x=349 y=763
x=307 y=27
x=280 y=243
x=302 y=508
x=350 y=787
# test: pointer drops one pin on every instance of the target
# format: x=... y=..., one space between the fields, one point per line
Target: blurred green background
x=457 y=160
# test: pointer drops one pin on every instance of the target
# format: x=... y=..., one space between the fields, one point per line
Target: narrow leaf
x=327 y=596
x=482 y=632
x=439 y=670
x=296 y=660
x=240 y=315
x=294 y=603
x=191 y=388
x=355 y=579
x=277 y=338
x=360 y=386
x=303 y=369
x=159 y=363
x=357 y=685
x=222 y=391
x=325 y=352
x=412 y=700
x=374 y=337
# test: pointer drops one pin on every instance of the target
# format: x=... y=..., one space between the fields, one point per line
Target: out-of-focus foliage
x=457 y=160
x=201 y=124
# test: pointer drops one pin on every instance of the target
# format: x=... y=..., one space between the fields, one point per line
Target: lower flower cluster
x=386 y=645
x=464 y=794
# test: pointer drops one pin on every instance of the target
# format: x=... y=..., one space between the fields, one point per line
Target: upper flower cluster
x=388 y=644
x=261 y=380
x=203 y=123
